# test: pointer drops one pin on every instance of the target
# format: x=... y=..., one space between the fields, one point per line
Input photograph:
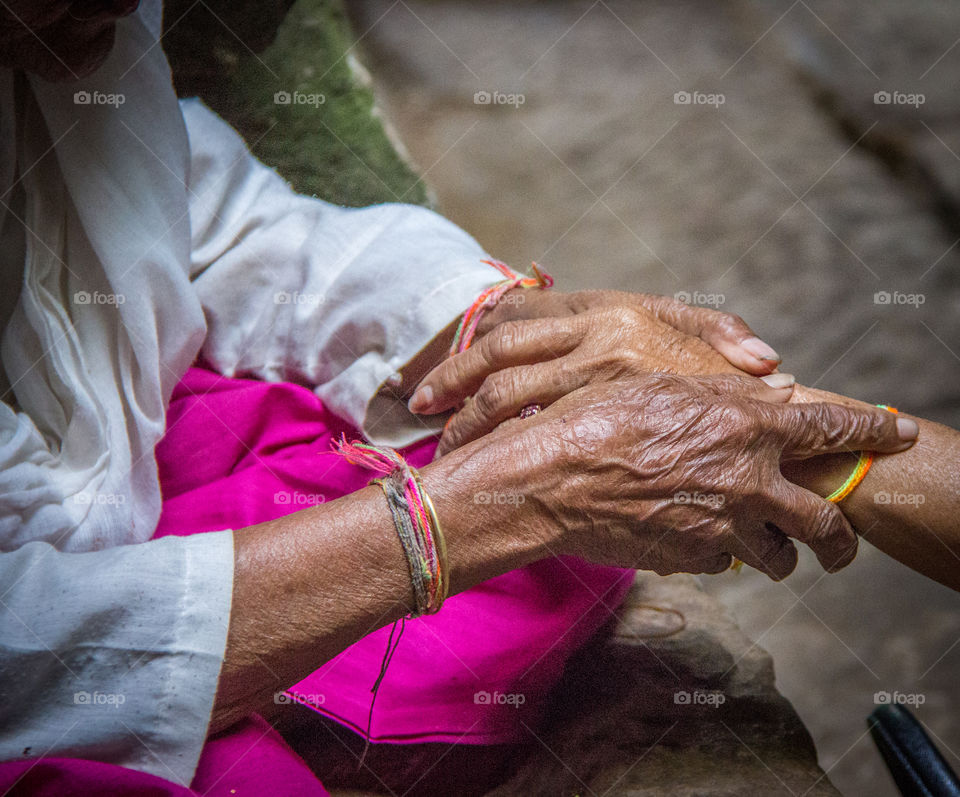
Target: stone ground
x=800 y=203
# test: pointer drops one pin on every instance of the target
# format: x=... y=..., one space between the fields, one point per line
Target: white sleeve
x=301 y=290
x=114 y=655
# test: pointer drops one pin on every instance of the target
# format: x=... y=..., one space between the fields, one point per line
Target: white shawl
x=107 y=320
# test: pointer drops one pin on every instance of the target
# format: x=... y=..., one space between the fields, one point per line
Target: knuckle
x=627 y=320
x=565 y=375
x=842 y=425
x=736 y=422
x=735 y=385
x=445 y=377
x=730 y=322
x=613 y=359
x=824 y=525
x=491 y=396
x=496 y=344
x=836 y=425
x=724 y=531
x=876 y=425
x=455 y=371
x=452 y=432
x=673 y=345
x=787 y=430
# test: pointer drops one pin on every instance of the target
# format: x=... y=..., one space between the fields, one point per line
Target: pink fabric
x=238 y=452
x=74 y=777
x=251 y=761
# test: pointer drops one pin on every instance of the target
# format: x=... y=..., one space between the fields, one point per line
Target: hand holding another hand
x=672 y=473
x=551 y=344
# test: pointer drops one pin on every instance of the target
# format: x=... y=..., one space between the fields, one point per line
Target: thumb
x=807 y=430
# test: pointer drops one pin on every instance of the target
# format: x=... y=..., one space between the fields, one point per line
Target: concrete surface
x=692 y=714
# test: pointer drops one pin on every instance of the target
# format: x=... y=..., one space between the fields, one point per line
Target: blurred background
x=797 y=163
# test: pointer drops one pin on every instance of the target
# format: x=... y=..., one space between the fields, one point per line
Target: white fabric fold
x=114 y=655
x=107 y=320
x=302 y=290
x=137 y=245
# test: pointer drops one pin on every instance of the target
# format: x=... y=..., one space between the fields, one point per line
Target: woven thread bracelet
x=414 y=518
x=467 y=328
x=862 y=466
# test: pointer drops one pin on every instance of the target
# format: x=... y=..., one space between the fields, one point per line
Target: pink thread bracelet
x=467 y=328
x=414 y=518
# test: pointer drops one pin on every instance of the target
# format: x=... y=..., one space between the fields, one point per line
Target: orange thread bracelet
x=467 y=328
x=859 y=472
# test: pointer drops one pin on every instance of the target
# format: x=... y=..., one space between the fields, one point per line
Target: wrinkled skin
x=584 y=337
x=671 y=473
x=59 y=40
x=727 y=333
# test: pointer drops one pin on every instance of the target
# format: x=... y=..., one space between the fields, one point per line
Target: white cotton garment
x=114 y=655
x=145 y=233
x=124 y=210
x=302 y=290
x=107 y=321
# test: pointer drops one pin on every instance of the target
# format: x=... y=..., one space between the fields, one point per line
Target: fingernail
x=760 y=350
x=907 y=429
x=779 y=380
x=421 y=399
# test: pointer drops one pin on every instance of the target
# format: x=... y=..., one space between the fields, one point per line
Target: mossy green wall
x=237 y=55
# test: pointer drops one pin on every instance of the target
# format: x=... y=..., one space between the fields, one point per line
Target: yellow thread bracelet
x=859 y=472
x=862 y=466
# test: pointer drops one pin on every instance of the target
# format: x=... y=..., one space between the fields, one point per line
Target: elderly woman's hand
x=610 y=336
x=672 y=473
x=726 y=333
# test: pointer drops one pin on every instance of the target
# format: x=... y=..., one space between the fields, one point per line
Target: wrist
x=519 y=304
x=487 y=512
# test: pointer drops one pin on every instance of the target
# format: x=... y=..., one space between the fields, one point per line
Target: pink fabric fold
x=250 y=761
x=239 y=452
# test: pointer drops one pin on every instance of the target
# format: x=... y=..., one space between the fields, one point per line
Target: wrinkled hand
x=726 y=333
x=521 y=362
x=672 y=473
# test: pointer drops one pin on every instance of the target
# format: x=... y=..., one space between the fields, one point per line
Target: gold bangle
x=441 y=542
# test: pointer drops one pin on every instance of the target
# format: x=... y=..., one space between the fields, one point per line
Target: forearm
x=918 y=525
x=310 y=584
